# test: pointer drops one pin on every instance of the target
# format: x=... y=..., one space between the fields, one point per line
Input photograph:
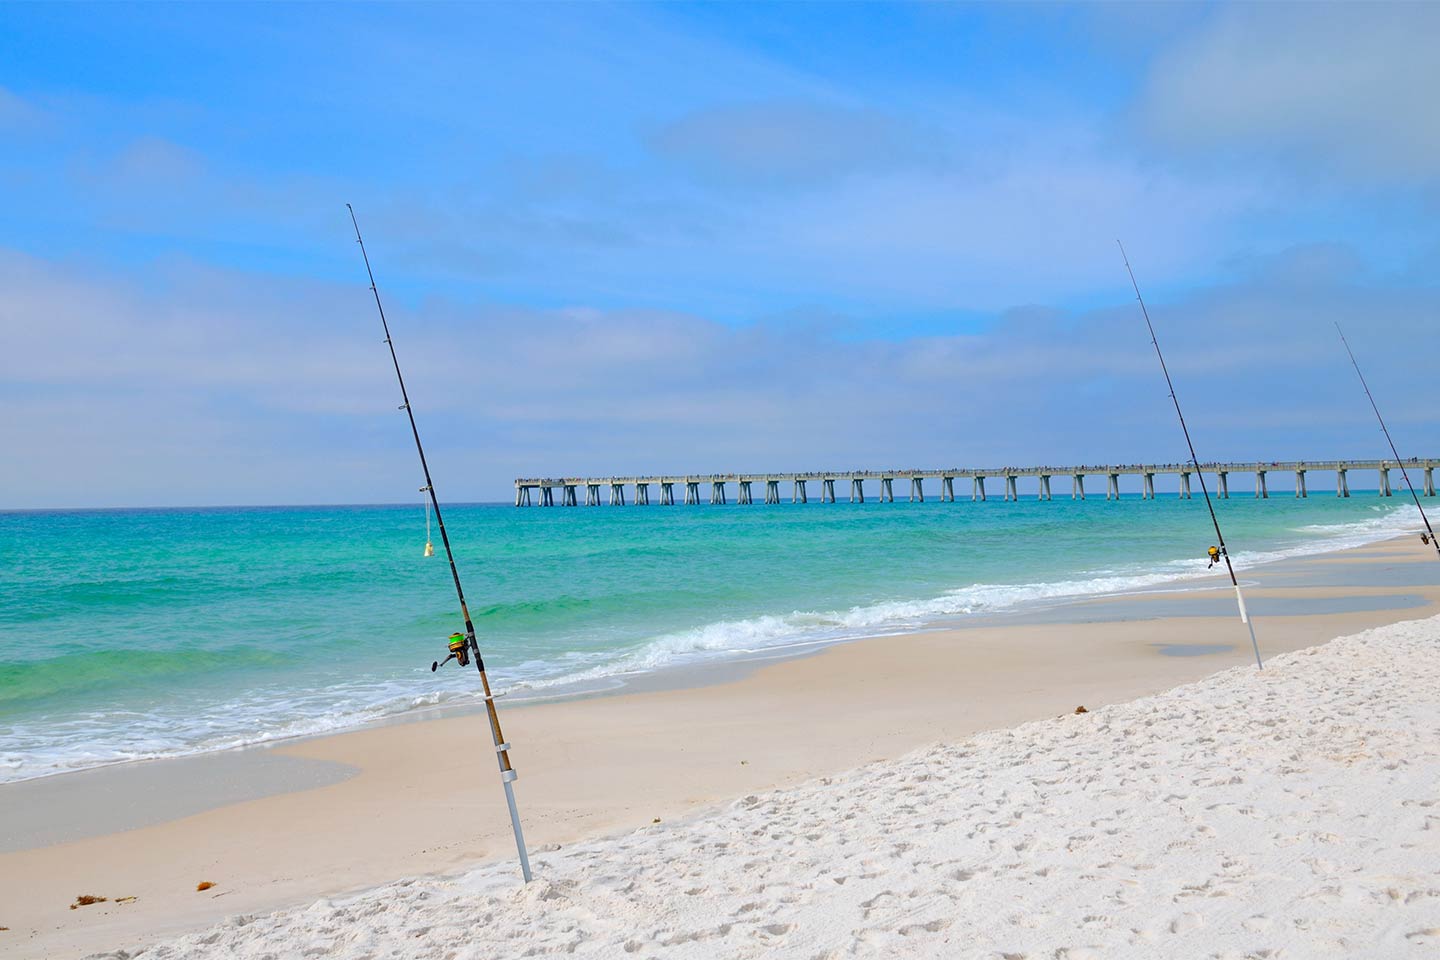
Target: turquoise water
x=144 y=633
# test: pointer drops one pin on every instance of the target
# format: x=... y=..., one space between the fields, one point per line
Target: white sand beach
x=1290 y=812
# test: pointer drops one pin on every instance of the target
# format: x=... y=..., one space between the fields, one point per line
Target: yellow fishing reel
x=459 y=652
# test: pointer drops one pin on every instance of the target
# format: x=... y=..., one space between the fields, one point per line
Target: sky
x=616 y=239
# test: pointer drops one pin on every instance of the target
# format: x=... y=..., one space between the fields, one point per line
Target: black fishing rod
x=461 y=648
x=1403 y=472
x=1224 y=553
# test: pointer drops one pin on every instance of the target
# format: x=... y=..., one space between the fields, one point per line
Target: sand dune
x=1293 y=812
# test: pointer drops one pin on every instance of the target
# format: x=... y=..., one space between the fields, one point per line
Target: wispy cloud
x=1338 y=88
x=181 y=388
x=790 y=143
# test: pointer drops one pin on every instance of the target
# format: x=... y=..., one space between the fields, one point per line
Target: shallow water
x=144 y=633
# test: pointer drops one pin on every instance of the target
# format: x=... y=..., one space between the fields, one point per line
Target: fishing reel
x=459 y=652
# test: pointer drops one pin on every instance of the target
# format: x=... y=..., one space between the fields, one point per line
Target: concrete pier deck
x=801 y=487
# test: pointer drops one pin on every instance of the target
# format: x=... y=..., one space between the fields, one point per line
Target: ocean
x=131 y=634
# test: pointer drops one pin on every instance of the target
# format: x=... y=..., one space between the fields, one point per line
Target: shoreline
x=424 y=803
x=1288 y=811
x=727 y=665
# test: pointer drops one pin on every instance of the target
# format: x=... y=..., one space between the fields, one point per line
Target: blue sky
x=696 y=237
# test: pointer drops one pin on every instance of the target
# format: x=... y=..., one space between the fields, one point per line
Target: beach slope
x=1292 y=811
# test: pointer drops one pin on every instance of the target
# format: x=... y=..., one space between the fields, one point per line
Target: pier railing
x=565 y=491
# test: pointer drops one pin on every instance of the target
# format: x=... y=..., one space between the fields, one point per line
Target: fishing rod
x=461 y=647
x=1403 y=472
x=1223 y=552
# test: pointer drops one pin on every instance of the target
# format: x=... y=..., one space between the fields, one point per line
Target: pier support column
x=569 y=499
x=592 y=494
x=917 y=489
x=717 y=492
x=547 y=496
x=887 y=490
x=1261 y=491
x=1044 y=487
x=1384 y=481
x=947 y=489
x=522 y=496
x=692 y=492
x=857 y=490
x=797 y=493
x=1148 y=492
x=1077 y=487
x=744 y=496
x=1222 y=488
x=772 y=491
x=617 y=494
x=827 y=490
x=1429 y=481
x=1012 y=492
x=642 y=494
x=977 y=487
x=1185 y=486
x=667 y=494
x=1342 y=485
x=1112 y=486
x=1300 y=491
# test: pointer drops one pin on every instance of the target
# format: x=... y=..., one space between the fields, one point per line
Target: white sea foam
x=774 y=634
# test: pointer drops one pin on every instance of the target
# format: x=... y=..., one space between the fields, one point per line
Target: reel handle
x=435 y=664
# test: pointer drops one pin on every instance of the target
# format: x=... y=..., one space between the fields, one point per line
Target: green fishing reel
x=459 y=652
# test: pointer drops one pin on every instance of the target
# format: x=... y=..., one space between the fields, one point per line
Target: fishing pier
x=717 y=488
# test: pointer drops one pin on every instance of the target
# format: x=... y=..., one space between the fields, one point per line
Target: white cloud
x=197 y=386
x=1348 y=88
x=795 y=144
